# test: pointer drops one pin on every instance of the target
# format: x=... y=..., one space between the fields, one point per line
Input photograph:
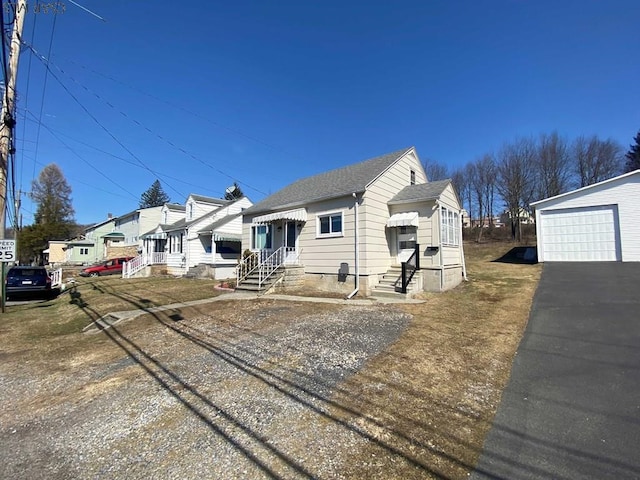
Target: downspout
x=357 y=248
x=440 y=245
x=464 y=264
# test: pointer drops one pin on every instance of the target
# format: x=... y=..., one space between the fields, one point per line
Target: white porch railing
x=130 y=268
x=56 y=278
x=264 y=263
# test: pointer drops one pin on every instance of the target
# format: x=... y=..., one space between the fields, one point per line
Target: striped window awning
x=155 y=236
x=298 y=215
x=404 y=219
x=226 y=237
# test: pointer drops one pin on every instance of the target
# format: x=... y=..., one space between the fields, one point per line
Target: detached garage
x=600 y=222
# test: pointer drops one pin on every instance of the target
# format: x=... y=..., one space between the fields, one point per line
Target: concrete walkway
x=116 y=317
x=571 y=409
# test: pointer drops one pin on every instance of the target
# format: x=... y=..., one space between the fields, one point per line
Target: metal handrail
x=409 y=268
x=264 y=262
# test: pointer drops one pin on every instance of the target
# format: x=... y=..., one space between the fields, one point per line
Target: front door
x=407 y=237
x=290 y=240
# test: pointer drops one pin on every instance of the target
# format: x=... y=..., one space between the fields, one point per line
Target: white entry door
x=290 y=241
x=407 y=238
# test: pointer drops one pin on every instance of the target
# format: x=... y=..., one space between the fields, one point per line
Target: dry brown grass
x=426 y=403
x=429 y=400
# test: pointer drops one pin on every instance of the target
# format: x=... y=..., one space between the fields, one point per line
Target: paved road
x=572 y=407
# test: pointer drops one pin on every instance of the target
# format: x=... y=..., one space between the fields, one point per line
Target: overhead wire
x=85 y=160
x=112 y=155
x=164 y=139
x=44 y=92
x=93 y=117
x=26 y=103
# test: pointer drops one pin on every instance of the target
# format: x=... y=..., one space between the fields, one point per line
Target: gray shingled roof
x=202 y=198
x=334 y=183
x=175 y=206
x=421 y=192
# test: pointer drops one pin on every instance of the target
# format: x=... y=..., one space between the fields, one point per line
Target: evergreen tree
x=54 y=216
x=234 y=193
x=633 y=155
x=154 y=196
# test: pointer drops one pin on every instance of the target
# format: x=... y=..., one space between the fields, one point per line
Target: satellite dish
x=231 y=189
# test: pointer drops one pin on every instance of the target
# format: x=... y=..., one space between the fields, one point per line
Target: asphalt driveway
x=572 y=406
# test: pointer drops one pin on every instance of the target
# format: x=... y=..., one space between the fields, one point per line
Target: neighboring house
x=55 y=253
x=79 y=252
x=348 y=228
x=203 y=238
x=96 y=234
x=525 y=217
x=600 y=222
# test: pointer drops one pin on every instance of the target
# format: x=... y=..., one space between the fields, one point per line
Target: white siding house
x=600 y=222
x=358 y=223
x=202 y=238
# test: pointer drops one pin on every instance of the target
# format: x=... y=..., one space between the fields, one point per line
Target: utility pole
x=7 y=124
x=7 y=117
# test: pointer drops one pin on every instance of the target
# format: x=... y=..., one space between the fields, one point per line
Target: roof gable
x=340 y=182
x=604 y=183
x=420 y=192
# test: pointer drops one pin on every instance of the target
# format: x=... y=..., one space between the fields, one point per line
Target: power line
x=84 y=160
x=44 y=91
x=162 y=138
x=93 y=117
x=112 y=155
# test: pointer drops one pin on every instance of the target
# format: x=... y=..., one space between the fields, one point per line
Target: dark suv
x=25 y=280
x=109 y=267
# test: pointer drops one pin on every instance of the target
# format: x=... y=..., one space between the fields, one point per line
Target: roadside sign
x=7 y=250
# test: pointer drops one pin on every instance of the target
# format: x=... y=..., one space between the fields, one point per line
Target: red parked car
x=109 y=267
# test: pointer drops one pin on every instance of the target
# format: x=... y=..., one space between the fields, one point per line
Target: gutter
x=357 y=247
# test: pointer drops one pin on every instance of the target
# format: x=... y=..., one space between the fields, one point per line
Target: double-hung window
x=449 y=227
x=330 y=224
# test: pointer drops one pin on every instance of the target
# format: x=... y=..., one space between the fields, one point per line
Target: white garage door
x=580 y=234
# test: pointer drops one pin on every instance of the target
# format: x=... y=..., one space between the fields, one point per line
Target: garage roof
x=588 y=187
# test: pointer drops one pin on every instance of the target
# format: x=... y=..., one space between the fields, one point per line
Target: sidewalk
x=116 y=317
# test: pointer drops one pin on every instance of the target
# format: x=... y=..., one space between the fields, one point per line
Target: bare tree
x=462 y=185
x=554 y=168
x=596 y=160
x=435 y=171
x=484 y=187
x=516 y=179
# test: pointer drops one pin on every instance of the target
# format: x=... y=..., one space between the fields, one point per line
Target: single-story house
x=348 y=229
x=600 y=222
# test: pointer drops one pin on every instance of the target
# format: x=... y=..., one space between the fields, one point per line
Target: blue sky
x=201 y=93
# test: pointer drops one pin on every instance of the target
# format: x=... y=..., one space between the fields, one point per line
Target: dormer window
x=190 y=211
x=412 y=177
x=164 y=217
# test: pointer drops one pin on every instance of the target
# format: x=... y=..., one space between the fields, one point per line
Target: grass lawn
x=432 y=395
x=428 y=400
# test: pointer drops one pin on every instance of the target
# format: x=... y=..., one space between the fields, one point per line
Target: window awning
x=227 y=237
x=404 y=219
x=155 y=236
x=113 y=235
x=298 y=215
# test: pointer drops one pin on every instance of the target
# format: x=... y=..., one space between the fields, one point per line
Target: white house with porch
x=373 y=227
x=202 y=238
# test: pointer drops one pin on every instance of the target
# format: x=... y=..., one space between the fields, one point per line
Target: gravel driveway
x=227 y=390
